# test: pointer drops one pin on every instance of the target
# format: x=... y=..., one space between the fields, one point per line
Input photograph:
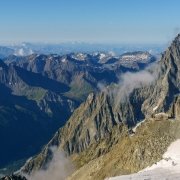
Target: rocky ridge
x=83 y=73
x=96 y=62
x=13 y=177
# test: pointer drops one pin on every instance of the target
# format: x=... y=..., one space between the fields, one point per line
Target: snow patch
x=102 y=56
x=96 y=53
x=79 y=56
x=161 y=113
x=173 y=151
x=135 y=57
x=155 y=108
x=63 y=60
x=137 y=125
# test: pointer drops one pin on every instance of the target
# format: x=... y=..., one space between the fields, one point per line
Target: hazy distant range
x=26 y=48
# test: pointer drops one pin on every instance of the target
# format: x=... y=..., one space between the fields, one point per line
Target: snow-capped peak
x=79 y=56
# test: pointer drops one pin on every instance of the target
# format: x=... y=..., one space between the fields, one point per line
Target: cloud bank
x=130 y=81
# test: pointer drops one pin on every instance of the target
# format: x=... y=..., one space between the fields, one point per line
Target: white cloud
x=31 y=52
x=101 y=85
x=111 y=53
x=20 y=52
x=59 y=168
x=130 y=81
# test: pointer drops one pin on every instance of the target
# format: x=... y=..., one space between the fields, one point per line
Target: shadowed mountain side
x=29 y=113
x=34 y=79
x=106 y=77
x=82 y=83
x=23 y=120
x=2 y=64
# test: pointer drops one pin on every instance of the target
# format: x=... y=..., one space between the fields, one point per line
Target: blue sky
x=100 y=21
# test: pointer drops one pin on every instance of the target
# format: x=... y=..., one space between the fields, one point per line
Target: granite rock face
x=167 y=85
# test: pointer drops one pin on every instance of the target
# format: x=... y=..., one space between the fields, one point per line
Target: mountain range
x=39 y=93
x=27 y=48
x=125 y=127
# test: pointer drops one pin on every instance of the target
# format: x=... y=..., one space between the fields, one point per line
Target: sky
x=95 y=21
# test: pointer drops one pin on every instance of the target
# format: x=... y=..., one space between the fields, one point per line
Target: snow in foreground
x=166 y=169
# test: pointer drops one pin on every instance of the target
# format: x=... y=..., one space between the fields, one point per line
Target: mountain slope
x=81 y=83
x=4 y=51
x=130 y=154
x=31 y=107
x=167 y=85
x=89 y=126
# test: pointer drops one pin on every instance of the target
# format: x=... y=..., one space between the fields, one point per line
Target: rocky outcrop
x=13 y=177
x=174 y=110
x=167 y=84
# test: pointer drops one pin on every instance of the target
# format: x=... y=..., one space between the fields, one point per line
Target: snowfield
x=166 y=169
